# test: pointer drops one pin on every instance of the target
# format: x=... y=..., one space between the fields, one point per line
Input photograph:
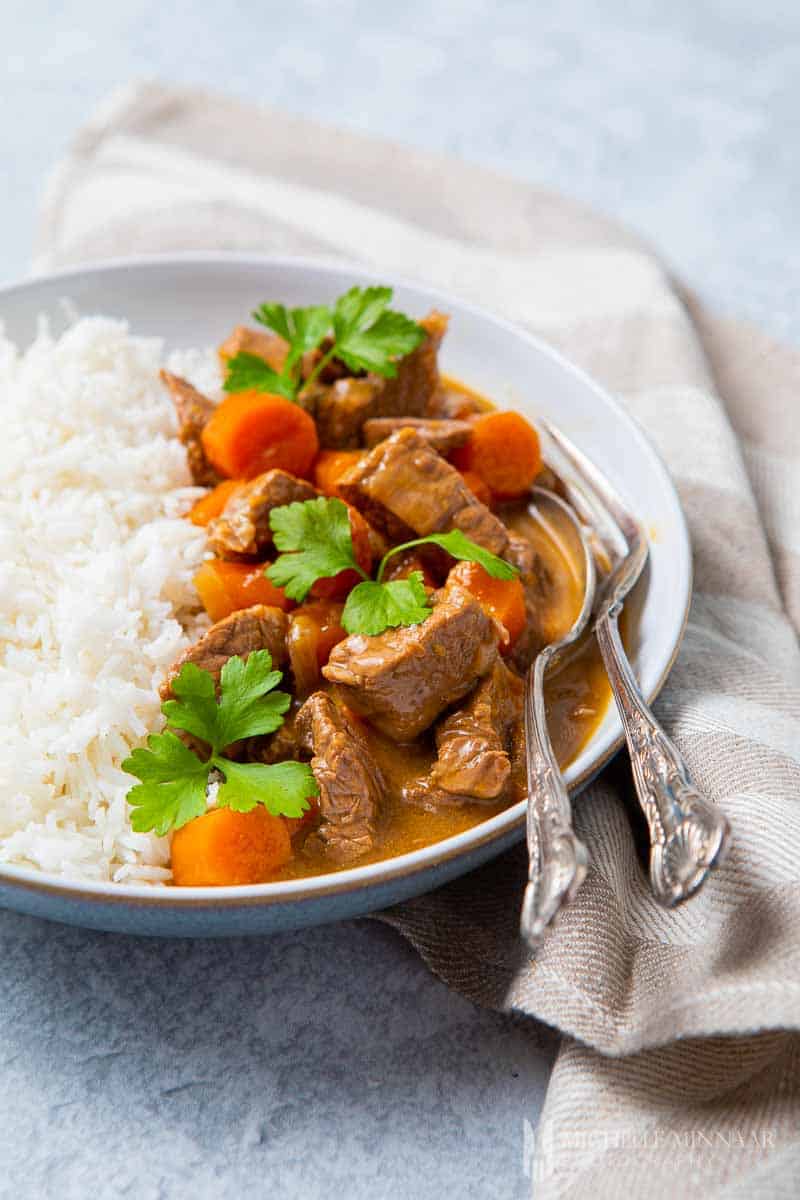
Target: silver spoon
x=557 y=859
x=689 y=835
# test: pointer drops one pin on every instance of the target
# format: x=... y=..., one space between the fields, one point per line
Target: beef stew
x=408 y=726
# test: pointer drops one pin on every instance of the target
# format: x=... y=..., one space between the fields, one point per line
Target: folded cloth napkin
x=699 y=1110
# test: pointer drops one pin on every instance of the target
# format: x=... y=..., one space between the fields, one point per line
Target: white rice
x=96 y=594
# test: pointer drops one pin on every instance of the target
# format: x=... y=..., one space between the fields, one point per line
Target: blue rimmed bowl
x=191 y=301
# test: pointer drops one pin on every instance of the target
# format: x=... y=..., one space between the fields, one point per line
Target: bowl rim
x=496 y=828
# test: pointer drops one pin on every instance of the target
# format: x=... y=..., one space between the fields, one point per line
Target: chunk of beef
x=273 y=349
x=283 y=745
x=243 y=527
x=193 y=410
x=258 y=628
x=269 y=346
x=405 y=488
x=451 y=404
x=538 y=582
x=404 y=678
x=427 y=559
x=351 y=786
x=342 y=408
x=333 y=369
x=444 y=436
x=418 y=380
x=474 y=744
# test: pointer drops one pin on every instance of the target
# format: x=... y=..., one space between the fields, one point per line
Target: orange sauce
x=577 y=695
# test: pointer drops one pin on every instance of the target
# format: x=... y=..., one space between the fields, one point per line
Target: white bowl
x=192 y=301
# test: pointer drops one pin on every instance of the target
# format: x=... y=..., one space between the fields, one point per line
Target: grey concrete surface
x=680 y=118
x=322 y=1064
x=331 y=1062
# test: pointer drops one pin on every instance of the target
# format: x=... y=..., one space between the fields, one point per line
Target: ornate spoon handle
x=557 y=860
x=688 y=834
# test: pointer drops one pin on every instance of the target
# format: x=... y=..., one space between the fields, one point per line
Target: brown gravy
x=577 y=696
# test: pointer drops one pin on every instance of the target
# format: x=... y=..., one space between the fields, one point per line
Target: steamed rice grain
x=96 y=593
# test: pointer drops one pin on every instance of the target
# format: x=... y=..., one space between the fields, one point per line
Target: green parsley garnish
x=316 y=543
x=365 y=335
x=174 y=779
x=247 y=371
x=316 y=533
x=458 y=545
x=372 y=607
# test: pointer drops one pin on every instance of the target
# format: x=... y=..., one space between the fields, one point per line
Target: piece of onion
x=303 y=658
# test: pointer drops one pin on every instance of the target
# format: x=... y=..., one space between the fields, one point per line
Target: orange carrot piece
x=225 y=587
x=503 y=599
x=223 y=847
x=330 y=466
x=504 y=450
x=211 y=505
x=251 y=432
x=478 y=487
x=339 y=585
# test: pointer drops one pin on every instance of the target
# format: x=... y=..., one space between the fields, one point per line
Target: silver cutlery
x=557 y=859
x=688 y=833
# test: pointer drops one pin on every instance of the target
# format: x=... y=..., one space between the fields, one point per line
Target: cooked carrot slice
x=503 y=599
x=214 y=501
x=251 y=432
x=223 y=847
x=338 y=587
x=225 y=587
x=504 y=450
x=477 y=486
x=330 y=466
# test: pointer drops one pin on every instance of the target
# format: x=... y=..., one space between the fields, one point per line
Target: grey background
x=331 y=1062
x=681 y=118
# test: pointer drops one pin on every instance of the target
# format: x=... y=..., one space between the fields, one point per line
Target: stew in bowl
x=106 y=582
x=374 y=591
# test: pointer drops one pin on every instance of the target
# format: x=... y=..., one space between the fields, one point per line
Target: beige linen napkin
x=162 y=169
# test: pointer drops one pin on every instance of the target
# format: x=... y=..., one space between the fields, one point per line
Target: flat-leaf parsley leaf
x=372 y=607
x=368 y=335
x=318 y=533
x=174 y=779
x=458 y=545
x=173 y=784
x=361 y=329
x=281 y=787
x=316 y=543
x=248 y=372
